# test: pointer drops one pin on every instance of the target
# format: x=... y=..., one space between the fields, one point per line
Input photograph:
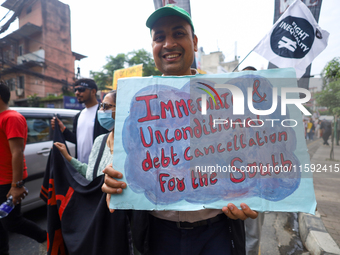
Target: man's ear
x=195 y=43
x=93 y=91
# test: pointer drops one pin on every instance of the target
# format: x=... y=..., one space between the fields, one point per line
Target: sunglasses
x=80 y=89
x=105 y=106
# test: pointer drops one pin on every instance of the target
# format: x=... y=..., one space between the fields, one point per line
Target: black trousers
x=325 y=137
x=15 y=222
x=167 y=239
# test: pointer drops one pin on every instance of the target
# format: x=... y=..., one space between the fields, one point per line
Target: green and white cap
x=169 y=10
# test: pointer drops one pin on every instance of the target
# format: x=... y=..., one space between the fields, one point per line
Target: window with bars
x=21 y=84
x=21 y=50
x=29 y=9
x=11 y=84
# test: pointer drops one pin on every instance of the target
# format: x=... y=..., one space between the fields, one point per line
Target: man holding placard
x=206 y=231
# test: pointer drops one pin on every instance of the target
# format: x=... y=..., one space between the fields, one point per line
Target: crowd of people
x=316 y=128
x=208 y=231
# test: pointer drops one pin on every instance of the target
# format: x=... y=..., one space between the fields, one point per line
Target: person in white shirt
x=85 y=125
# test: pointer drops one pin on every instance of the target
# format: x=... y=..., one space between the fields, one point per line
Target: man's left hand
x=234 y=213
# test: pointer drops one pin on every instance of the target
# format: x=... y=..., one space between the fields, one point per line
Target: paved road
x=22 y=245
x=280 y=231
x=280 y=234
x=327 y=189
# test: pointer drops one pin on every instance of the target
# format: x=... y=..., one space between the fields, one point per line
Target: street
x=280 y=231
x=22 y=245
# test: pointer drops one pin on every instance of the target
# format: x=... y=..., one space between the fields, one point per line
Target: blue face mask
x=105 y=119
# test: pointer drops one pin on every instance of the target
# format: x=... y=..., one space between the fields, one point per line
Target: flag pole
x=243 y=60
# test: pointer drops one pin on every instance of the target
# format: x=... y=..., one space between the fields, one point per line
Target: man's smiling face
x=173 y=45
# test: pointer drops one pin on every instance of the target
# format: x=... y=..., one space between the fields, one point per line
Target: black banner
x=313 y=5
x=78 y=220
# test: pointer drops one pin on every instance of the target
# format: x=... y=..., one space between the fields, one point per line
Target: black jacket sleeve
x=72 y=136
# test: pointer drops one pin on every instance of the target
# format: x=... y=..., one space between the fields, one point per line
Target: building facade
x=36 y=59
x=214 y=63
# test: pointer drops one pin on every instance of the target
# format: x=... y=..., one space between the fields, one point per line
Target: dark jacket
x=72 y=136
x=326 y=126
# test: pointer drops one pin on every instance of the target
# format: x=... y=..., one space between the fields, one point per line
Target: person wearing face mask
x=106 y=118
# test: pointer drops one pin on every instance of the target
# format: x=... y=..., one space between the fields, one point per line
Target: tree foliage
x=331 y=71
x=104 y=78
x=33 y=100
x=143 y=57
x=330 y=95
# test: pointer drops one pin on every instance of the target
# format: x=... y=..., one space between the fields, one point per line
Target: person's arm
x=80 y=167
x=60 y=124
x=87 y=169
x=72 y=136
x=69 y=136
x=16 y=146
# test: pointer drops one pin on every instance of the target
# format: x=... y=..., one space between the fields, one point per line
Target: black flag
x=280 y=7
x=79 y=221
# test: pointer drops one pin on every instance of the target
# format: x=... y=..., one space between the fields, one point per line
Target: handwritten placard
x=194 y=142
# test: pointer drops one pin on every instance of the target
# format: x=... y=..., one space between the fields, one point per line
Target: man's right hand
x=18 y=194
x=111 y=185
x=60 y=123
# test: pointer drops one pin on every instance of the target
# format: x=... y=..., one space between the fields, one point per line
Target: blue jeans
x=167 y=238
x=310 y=135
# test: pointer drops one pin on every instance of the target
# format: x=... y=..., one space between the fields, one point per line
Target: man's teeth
x=172 y=56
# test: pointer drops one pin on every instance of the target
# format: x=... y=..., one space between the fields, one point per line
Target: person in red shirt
x=13 y=172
